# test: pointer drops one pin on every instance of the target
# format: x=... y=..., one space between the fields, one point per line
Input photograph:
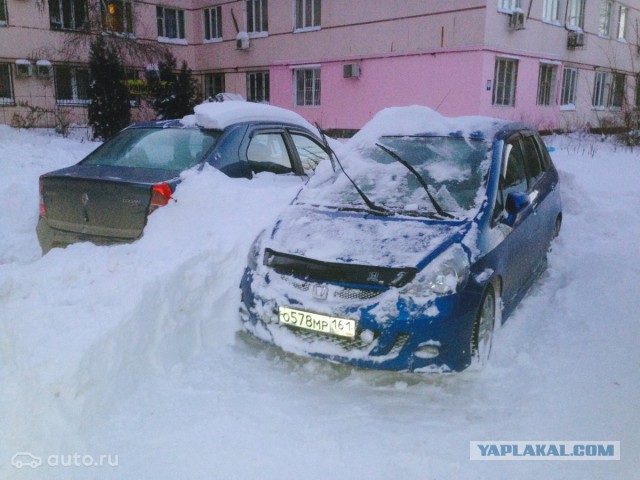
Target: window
x=604 y=30
x=66 y=14
x=617 y=90
x=213 y=84
x=508 y=5
x=600 y=84
x=72 y=84
x=3 y=12
x=551 y=11
x=515 y=179
x=307 y=86
x=258 y=87
x=257 y=16
x=622 y=22
x=575 y=13
x=638 y=91
x=547 y=84
x=268 y=152
x=117 y=16
x=6 y=90
x=504 y=83
x=213 y=23
x=308 y=14
x=309 y=151
x=532 y=162
x=569 y=83
x=170 y=23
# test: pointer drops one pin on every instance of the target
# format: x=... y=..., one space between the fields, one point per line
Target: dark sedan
x=107 y=197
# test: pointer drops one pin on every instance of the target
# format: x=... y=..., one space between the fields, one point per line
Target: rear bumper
x=49 y=237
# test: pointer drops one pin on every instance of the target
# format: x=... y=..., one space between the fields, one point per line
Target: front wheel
x=482 y=336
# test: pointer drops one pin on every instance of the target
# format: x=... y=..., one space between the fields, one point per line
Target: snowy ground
x=131 y=352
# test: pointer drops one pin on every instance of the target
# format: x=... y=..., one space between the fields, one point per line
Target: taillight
x=160 y=196
x=43 y=209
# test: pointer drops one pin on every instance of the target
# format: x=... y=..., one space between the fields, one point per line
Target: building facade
x=557 y=64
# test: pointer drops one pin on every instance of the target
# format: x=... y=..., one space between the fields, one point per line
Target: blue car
x=412 y=249
x=107 y=197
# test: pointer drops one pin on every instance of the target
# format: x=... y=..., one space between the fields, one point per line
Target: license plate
x=315 y=322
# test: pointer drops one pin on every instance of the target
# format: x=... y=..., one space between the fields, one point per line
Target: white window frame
x=305 y=12
x=569 y=88
x=601 y=84
x=213 y=22
x=604 y=26
x=60 y=18
x=75 y=97
x=505 y=82
x=551 y=11
x=623 y=16
x=4 y=15
x=127 y=17
x=253 y=85
x=547 y=84
x=8 y=100
x=575 y=14
x=209 y=84
x=307 y=86
x=161 y=20
x=257 y=18
x=508 y=6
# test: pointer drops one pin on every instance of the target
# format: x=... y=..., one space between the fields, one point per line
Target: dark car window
x=515 y=179
x=532 y=160
x=159 y=148
x=310 y=152
x=544 y=153
x=267 y=152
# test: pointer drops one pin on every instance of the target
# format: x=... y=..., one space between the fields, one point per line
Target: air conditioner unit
x=44 y=69
x=23 y=68
x=516 y=21
x=242 y=41
x=575 y=39
x=351 y=70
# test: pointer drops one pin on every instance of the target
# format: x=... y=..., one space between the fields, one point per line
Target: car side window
x=532 y=160
x=515 y=179
x=310 y=152
x=544 y=153
x=267 y=152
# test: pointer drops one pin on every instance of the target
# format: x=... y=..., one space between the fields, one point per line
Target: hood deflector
x=316 y=270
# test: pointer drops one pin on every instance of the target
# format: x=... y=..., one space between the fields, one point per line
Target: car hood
x=360 y=239
x=117 y=174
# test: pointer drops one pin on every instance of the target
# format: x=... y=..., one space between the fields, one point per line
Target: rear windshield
x=160 y=148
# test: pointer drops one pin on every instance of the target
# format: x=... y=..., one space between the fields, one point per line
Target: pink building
x=552 y=63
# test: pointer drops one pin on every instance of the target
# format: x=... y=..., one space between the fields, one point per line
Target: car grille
x=343 y=293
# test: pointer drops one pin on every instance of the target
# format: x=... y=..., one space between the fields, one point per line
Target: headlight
x=443 y=276
x=254 y=252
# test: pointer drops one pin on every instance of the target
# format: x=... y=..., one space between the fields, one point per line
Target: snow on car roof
x=219 y=115
x=416 y=119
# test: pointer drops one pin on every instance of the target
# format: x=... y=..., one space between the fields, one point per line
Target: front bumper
x=393 y=332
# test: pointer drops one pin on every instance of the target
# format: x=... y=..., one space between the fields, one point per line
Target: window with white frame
x=604 y=28
x=72 y=84
x=170 y=23
x=623 y=13
x=307 y=81
x=617 y=90
x=66 y=14
x=258 y=87
x=508 y=5
x=600 y=87
x=3 y=12
x=569 y=86
x=213 y=23
x=504 y=83
x=6 y=88
x=547 y=84
x=257 y=16
x=575 y=13
x=551 y=11
x=213 y=84
x=308 y=14
x=117 y=16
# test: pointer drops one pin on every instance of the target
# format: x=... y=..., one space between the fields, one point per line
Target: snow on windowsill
x=174 y=41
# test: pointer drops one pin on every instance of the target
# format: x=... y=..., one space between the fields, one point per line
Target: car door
x=268 y=151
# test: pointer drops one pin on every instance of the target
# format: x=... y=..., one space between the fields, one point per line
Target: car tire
x=484 y=327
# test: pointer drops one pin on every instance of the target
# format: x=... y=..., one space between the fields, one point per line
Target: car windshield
x=159 y=148
x=452 y=168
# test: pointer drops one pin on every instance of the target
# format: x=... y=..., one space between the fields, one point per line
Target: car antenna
x=332 y=156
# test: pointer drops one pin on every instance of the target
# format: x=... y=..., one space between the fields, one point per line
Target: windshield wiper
x=424 y=184
x=377 y=209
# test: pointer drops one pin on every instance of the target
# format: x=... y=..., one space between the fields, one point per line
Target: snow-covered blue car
x=409 y=253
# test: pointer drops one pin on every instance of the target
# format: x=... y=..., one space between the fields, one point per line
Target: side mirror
x=516 y=202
